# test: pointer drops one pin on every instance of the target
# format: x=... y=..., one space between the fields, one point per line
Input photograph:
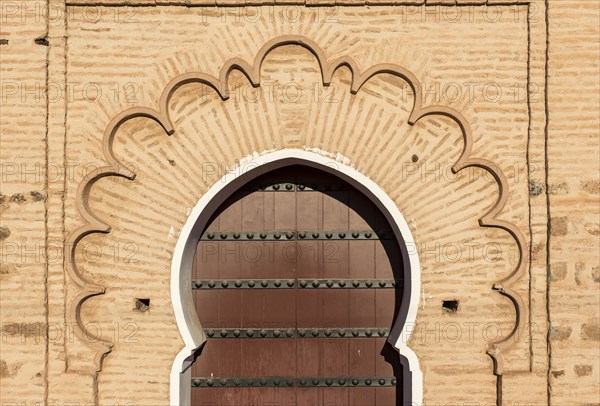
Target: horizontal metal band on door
x=301 y=284
x=298 y=333
x=283 y=382
x=291 y=235
x=299 y=187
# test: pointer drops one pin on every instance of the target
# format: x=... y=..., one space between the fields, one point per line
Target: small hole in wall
x=42 y=41
x=142 y=304
x=450 y=306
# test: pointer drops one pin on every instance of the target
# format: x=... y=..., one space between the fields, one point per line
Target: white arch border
x=181 y=268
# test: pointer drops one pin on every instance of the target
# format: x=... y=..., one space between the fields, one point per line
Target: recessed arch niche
x=193 y=333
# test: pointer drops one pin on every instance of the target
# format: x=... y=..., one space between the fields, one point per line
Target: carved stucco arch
x=94 y=224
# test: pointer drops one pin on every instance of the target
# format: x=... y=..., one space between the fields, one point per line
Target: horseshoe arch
x=185 y=251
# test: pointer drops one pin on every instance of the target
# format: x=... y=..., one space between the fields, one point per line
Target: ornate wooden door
x=297 y=281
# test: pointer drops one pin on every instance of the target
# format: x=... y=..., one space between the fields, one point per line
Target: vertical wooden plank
x=206 y=266
x=335 y=302
x=252 y=306
x=206 y=263
x=362 y=211
x=387 y=396
x=229 y=267
x=308 y=361
x=335 y=364
x=280 y=311
x=206 y=397
x=308 y=396
x=335 y=217
x=217 y=397
x=383 y=357
x=361 y=263
x=387 y=363
x=251 y=267
x=207 y=364
x=229 y=303
x=362 y=352
x=335 y=260
x=266 y=357
x=230 y=352
x=207 y=308
x=361 y=362
x=253 y=220
x=388 y=265
x=384 y=307
x=309 y=216
x=388 y=255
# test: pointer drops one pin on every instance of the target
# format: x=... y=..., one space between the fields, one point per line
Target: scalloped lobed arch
x=252 y=73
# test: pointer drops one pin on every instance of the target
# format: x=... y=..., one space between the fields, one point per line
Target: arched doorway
x=303 y=285
x=297 y=281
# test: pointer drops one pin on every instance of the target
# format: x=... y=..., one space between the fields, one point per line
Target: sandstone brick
x=380 y=2
x=4 y=233
x=559 y=189
x=230 y=2
x=583 y=370
x=440 y=2
x=592 y=187
x=559 y=226
x=201 y=2
x=320 y=2
x=590 y=330
x=596 y=274
x=349 y=2
x=560 y=333
x=535 y=188
x=471 y=2
x=558 y=271
x=593 y=228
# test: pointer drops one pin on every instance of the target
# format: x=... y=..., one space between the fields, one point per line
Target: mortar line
x=529 y=197
x=183 y=3
x=46 y=228
x=64 y=194
x=96 y=388
x=499 y=390
x=548 y=223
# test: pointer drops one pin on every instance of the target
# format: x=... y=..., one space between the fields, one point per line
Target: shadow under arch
x=249 y=169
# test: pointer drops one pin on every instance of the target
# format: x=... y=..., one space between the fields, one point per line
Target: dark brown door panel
x=297 y=281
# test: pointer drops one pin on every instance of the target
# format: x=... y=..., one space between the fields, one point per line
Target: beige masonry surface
x=91 y=63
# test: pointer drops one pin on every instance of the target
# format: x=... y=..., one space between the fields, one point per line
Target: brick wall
x=573 y=176
x=67 y=72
